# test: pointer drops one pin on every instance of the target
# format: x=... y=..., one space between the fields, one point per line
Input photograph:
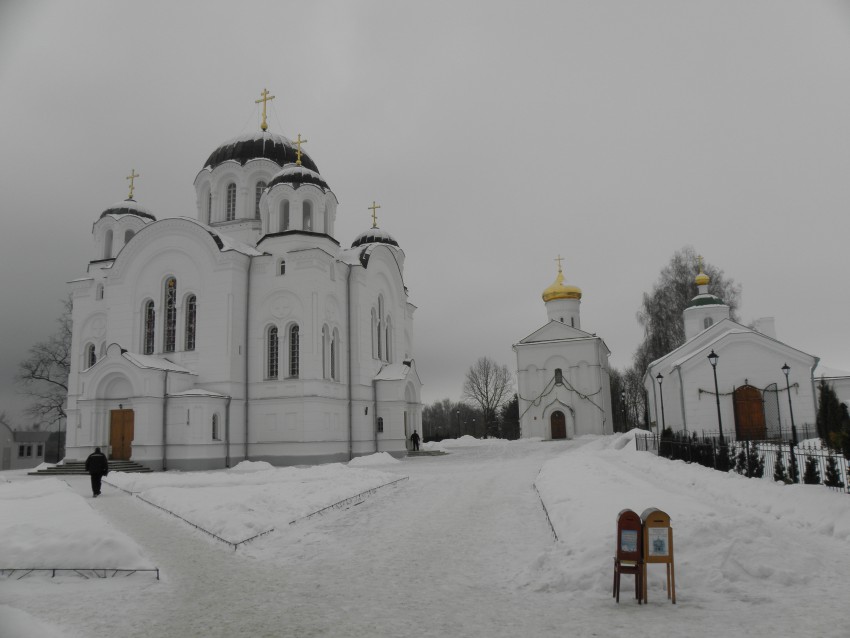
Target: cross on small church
x=373 y=208
x=298 y=144
x=266 y=98
x=699 y=259
x=132 y=177
x=559 y=260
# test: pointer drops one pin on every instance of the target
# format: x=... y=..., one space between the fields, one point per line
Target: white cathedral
x=246 y=332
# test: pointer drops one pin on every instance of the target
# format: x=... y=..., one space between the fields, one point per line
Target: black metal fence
x=772 y=460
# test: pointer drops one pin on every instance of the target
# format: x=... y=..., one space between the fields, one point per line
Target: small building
x=563 y=376
x=21 y=449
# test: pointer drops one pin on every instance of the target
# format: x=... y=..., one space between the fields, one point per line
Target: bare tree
x=44 y=373
x=488 y=385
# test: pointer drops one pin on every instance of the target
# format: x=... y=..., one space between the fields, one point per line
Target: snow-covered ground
x=462 y=548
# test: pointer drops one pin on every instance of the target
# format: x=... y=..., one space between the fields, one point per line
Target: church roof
x=706 y=300
x=262 y=145
x=297 y=175
x=153 y=362
x=374 y=236
x=128 y=207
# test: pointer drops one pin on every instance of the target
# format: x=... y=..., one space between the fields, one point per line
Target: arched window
x=327 y=221
x=389 y=333
x=230 y=207
x=326 y=342
x=99 y=294
x=293 y=350
x=281 y=267
x=284 y=215
x=209 y=207
x=261 y=186
x=335 y=355
x=559 y=377
x=272 y=345
x=91 y=355
x=374 y=334
x=191 y=321
x=215 y=433
x=308 y=215
x=380 y=331
x=128 y=235
x=149 y=326
x=707 y=322
x=107 y=245
x=170 y=334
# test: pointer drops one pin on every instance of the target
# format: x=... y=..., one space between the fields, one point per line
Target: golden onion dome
x=701 y=279
x=559 y=291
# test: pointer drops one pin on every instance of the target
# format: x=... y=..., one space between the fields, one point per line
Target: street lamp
x=457 y=433
x=660 y=379
x=712 y=359
x=623 y=403
x=795 y=473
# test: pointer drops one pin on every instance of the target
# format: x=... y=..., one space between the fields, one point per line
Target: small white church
x=563 y=375
x=246 y=331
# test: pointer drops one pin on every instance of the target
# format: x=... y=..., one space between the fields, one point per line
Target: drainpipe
x=164 y=417
x=682 y=399
x=350 y=342
x=247 y=317
x=227 y=433
x=375 y=411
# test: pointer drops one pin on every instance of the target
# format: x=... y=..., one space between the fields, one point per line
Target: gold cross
x=266 y=98
x=699 y=258
x=373 y=208
x=132 y=177
x=298 y=143
x=559 y=260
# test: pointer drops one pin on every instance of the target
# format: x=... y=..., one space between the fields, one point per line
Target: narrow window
x=230 y=209
x=327 y=221
x=91 y=355
x=272 y=353
x=308 y=215
x=149 y=323
x=335 y=356
x=107 y=245
x=284 y=215
x=39 y=450
x=374 y=334
x=389 y=333
x=380 y=424
x=22 y=450
x=325 y=354
x=128 y=235
x=191 y=320
x=99 y=294
x=209 y=207
x=380 y=341
x=293 y=351
x=281 y=268
x=573 y=322
x=559 y=377
x=170 y=336
x=215 y=434
x=29 y=450
x=261 y=186
x=707 y=322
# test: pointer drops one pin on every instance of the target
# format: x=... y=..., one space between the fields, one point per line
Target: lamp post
x=623 y=404
x=457 y=432
x=795 y=473
x=712 y=359
x=660 y=378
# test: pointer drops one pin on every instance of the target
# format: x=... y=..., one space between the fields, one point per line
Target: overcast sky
x=494 y=135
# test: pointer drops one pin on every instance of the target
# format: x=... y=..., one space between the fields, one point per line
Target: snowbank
x=17 y=623
x=380 y=458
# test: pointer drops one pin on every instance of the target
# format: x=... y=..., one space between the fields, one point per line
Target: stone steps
x=79 y=467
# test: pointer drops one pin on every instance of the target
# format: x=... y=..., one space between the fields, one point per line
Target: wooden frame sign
x=658 y=548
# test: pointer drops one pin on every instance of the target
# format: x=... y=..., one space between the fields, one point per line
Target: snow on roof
x=225 y=242
x=823 y=371
x=152 y=362
x=198 y=392
x=393 y=372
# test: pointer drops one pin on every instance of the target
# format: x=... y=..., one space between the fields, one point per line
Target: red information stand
x=628 y=558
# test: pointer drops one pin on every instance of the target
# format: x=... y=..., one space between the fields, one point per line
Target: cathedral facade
x=246 y=331
x=563 y=375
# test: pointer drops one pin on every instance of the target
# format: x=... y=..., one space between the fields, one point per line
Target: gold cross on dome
x=373 y=208
x=298 y=144
x=559 y=260
x=132 y=177
x=265 y=98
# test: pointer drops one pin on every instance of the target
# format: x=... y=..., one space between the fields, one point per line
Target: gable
x=555 y=331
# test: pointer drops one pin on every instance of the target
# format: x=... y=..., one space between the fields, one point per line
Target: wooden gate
x=559 y=425
x=121 y=434
x=749 y=414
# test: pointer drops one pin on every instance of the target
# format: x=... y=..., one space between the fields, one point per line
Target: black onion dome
x=374 y=236
x=128 y=207
x=295 y=176
x=277 y=148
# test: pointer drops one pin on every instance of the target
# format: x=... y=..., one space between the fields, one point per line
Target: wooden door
x=749 y=414
x=121 y=434
x=559 y=425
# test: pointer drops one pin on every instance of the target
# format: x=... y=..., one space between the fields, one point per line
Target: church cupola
x=705 y=309
x=374 y=235
x=119 y=223
x=563 y=302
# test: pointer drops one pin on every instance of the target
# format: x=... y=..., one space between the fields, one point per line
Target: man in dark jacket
x=98 y=467
x=414 y=438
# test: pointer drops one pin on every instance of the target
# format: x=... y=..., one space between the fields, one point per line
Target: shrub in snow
x=811 y=475
x=779 y=472
x=832 y=476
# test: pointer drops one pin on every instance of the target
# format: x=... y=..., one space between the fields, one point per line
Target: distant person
x=414 y=438
x=98 y=467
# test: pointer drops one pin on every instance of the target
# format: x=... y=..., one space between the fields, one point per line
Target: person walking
x=414 y=438
x=97 y=466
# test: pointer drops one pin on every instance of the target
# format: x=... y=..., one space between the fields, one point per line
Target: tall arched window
x=91 y=355
x=272 y=352
x=380 y=327
x=389 y=333
x=107 y=245
x=284 y=215
x=326 y=343
x=308 y=215
x=209 y=207
x=149 y=327
x=261 y=186
x=294 y=334
x=215 y=433
x=170 y=334
x=99 y=293
x=335 y=355
x=191 y=321
x=326 y=228
x=128 y=235
x=374 y=334
x=281 y=267
x=707 y=322
x=230 y=207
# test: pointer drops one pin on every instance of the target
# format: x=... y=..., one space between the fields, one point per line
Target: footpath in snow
x=461 y=548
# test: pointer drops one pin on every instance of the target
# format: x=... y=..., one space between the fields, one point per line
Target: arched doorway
x=559 y=425
x=749 y=414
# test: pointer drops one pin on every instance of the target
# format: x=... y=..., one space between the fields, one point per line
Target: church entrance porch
x=749 y=414
x=558 y=424
x=121 y=434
